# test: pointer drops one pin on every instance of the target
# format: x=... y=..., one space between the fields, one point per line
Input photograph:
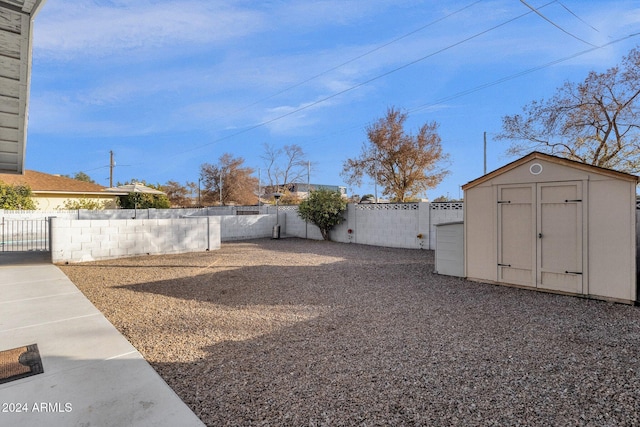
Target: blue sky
x=171 y=84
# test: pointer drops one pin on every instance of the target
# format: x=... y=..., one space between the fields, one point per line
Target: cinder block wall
x=390 y=225
x=86 y=235
x=89 y=240
x=296 y=227
x=242 y=227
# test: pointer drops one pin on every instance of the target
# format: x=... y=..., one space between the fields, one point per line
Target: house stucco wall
x=47 y=202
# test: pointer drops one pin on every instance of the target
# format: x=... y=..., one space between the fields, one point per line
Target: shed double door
x=540 y=229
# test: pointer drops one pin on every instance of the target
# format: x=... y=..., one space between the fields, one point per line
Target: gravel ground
x=295 y=332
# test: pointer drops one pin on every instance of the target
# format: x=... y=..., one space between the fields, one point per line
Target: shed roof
x=40 y=182
x=536 y=155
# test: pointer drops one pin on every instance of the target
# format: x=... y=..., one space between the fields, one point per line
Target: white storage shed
x=553 y=224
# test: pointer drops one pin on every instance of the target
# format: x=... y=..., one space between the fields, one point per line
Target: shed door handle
x=539 y=235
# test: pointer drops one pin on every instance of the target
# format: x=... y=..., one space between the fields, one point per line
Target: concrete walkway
x=92 y=375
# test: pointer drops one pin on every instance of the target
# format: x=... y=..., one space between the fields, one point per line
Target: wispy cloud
x=90 y=28
x=312 y=14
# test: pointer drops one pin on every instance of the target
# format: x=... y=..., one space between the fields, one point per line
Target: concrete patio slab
x=92 y=375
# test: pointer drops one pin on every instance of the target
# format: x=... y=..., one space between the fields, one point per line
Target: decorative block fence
x=395 y=225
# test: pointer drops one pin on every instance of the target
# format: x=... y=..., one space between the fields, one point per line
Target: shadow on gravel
x=373 y=337
x=425 y=363
x=286 y=275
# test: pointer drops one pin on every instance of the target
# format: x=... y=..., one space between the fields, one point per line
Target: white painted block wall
x=243 y=227
x=296 y=227
x=383 y=225
x=89 y=240
x=104 y=236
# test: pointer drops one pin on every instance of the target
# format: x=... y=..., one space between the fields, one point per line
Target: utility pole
x=306 y=223
x=485 y=153
x=111 y=165
x=220 y=186
x=375 y=182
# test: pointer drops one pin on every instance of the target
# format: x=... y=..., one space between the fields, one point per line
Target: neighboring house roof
x=135 y=187
x=40 y=182
x=554 y=159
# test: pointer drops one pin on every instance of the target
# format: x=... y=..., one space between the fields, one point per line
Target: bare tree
x=594 y=122
x=405 y=165
x=194 y=191
x=285 y=165
x=228 y=181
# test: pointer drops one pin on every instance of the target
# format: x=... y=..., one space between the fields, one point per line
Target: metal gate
x=24 y=235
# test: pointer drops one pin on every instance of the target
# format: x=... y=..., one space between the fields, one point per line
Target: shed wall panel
x=611 y=242
x=480 y=234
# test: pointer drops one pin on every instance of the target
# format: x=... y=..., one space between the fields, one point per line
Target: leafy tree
x=289 y=198
x=323 y=208
x=144 y=200
x=178 y=195
x=80 y=176
x=405 y=165
x=594 y=122
x=84 y=203
x=16 y=197
x=228 y=182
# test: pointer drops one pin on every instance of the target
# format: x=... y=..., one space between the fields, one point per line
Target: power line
x=349 y=89
x=578 y=18
x=537 y=12
x=369 y=52
x=437 y=102
x=520 y=74
x=493 y=83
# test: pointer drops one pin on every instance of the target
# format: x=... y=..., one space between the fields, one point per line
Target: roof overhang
x=16 y=35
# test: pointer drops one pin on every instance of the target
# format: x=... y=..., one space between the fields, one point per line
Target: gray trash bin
x=276 y=232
